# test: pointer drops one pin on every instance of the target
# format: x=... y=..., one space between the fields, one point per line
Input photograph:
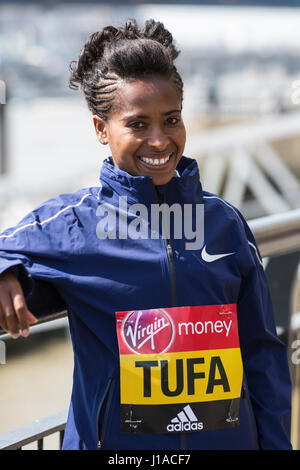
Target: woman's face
x=145 y=130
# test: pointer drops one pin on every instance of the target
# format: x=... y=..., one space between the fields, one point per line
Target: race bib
x=180 y=369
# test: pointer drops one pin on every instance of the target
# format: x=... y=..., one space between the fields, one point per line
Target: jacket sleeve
x=34 y=251
x=264 y=355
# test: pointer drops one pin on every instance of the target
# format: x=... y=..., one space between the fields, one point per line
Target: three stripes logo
x=186 y=420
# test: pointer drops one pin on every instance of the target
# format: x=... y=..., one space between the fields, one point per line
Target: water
x=36 y=380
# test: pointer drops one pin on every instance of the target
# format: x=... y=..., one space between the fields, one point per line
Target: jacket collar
x=184 y=187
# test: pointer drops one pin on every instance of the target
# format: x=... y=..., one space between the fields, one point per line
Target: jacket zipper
x=107 y=395
x=171 y=265
x=170 y=256
x=252 y=435
x=174 y=302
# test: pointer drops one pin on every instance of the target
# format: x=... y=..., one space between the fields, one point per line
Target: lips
x=155 y=161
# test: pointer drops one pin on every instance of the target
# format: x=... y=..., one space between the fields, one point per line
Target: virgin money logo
x=148 y=331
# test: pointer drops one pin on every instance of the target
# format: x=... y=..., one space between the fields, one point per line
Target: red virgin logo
x=148 y=331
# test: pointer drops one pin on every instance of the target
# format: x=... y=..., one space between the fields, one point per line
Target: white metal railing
x=238 y=158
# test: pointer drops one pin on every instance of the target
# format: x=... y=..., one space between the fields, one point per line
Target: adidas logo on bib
x=186 y=420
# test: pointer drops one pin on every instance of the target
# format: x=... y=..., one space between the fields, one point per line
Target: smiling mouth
x=152 y=161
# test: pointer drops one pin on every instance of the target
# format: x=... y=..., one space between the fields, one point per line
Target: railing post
x=61 y=438
x=40 y=444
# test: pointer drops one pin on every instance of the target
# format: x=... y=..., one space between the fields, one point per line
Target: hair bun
x=127 y=52
x=156 y=31
x=131 y=30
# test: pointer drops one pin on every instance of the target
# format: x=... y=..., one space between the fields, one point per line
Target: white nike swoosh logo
x=209 y=258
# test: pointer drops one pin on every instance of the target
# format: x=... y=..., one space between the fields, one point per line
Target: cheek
x=122 y=138
x=180 y=136
x=123 y=148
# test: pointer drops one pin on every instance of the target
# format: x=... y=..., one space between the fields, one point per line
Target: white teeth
x=155 y=161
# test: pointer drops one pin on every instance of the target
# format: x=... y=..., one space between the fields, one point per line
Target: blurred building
x=238 y=63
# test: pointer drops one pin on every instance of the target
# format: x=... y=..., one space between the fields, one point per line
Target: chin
x=158 y=181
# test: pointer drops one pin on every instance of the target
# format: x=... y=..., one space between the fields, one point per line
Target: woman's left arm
x=264 y=355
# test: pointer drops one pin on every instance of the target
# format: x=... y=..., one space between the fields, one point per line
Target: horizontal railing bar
x=57 y=319
x=278 y=233
x=271 y=129
x=283 y=221
x=53 y=316
x=33 y=432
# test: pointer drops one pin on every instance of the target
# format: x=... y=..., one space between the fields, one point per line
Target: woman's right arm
x=31 y=263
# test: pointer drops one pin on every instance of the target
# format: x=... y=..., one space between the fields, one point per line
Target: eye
x=172 y=121
x=137 y=125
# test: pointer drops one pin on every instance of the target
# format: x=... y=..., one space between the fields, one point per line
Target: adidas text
x=185 y=427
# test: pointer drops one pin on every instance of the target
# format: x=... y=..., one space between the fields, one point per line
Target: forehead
x=152 y=94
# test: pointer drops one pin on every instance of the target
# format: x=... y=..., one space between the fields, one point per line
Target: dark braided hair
x=124 y=53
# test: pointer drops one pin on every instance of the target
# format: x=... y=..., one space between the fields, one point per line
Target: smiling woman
x=145 y=139
x=129 y=277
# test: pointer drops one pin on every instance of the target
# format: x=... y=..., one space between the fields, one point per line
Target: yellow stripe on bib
x=181 y=377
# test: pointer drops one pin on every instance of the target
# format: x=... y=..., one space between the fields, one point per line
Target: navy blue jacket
x=59 y=242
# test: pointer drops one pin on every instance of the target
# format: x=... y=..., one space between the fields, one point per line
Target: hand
x=14 y=314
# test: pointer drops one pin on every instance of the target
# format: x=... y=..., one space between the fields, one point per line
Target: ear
x=101 y=130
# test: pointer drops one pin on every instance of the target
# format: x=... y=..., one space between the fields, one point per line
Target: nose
x=158 y=139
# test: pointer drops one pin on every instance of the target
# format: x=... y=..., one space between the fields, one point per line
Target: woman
x=172 y=326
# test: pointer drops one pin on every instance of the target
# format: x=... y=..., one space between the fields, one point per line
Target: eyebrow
x=144 y=116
